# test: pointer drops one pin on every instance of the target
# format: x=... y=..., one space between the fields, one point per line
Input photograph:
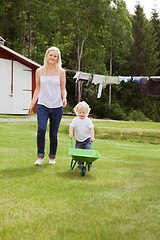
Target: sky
x=147 y=5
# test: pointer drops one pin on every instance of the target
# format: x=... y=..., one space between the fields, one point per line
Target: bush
x=68 y=109
x=137 y=116
x=117 y=112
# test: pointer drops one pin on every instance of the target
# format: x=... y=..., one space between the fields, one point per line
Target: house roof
x=18 y=57
x=2 y=40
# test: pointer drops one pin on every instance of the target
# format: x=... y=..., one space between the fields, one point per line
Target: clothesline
x=106 y=79
x=122 y=78
x=150 y=85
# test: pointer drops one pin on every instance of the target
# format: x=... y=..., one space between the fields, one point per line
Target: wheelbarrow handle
x=91 y=144
x=72 y=142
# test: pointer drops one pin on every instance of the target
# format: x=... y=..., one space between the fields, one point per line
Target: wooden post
x=78 y=91
x=110 y=92
x=110 y=100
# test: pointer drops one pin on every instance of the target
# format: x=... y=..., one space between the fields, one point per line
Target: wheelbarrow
x=87 y=156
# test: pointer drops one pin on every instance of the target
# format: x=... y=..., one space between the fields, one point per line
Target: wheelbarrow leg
x=72 y=165
x=83 y=170
x=88 y=166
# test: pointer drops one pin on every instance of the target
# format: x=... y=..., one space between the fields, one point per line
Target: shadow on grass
x=76 y=175
x=21 y=172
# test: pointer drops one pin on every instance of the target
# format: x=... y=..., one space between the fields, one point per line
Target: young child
x=82 y=126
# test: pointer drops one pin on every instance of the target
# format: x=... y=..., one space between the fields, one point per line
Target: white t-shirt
x=81 y=128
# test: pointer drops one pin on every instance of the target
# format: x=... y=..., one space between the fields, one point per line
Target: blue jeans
x=83 y=145
x=54 y=115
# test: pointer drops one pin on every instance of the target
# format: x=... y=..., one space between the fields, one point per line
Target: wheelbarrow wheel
x=83 y=171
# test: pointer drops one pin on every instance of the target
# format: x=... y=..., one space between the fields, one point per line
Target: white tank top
x=50 y=92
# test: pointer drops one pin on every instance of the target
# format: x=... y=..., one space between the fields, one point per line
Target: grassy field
x=119 y=199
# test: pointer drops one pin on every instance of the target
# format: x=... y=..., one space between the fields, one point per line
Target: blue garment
x=83 y=145
x=54 y=115
x=138 y=79
x=125 y=78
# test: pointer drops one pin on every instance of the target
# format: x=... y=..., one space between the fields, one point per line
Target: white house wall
x=19 y=102
x=5 y=83
x=22 y=88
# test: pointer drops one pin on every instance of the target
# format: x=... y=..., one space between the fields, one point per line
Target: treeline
x=95 y=36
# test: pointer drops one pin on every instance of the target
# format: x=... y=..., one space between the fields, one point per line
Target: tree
x=10 y=23
x=155 y=25
x=144 y=57
x=83 y=20
x=117 y=38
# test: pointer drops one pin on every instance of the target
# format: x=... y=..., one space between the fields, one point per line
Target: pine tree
x=155 y=24
x=144 y=57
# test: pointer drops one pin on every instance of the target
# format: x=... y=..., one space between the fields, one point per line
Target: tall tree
x=10 y=22
x=83 y=20
x=144 y=57
x=117 y=38
x=155 y=24
x=39 y=26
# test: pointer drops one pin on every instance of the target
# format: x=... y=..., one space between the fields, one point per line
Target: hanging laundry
x=125 y=79
x=97 y=79
x=100 y=90
x=137 y=79
x=76 y=75
x=144 y=83
x=154 y=86
x=82 y=76
x=111 y=80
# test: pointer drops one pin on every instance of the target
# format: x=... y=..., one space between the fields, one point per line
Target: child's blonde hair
x=82 y=106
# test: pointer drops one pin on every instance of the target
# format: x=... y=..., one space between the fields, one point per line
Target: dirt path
x=34 y=118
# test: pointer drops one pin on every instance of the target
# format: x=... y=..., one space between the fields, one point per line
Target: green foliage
x=68 y=109
x=95 y=36
x=155 y=25
x=144 y=57
x=99 y=107
x=117 y=112
x=118 y=38
x=137 y=116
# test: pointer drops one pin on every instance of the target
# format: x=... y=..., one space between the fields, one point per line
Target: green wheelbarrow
x=82 y=155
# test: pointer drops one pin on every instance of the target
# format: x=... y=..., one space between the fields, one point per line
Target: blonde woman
x=51 y=95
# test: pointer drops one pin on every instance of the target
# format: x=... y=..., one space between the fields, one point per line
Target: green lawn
x=119 y=199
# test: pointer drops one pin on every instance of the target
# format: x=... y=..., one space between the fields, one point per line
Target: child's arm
x=91 y=130
x=70 y=132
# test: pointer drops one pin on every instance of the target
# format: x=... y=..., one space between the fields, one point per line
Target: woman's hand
x=31 y=109
x=64 y=101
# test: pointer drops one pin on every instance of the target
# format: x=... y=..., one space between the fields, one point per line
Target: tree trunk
x=110 y=88
x=24 y=30
x=30 y=38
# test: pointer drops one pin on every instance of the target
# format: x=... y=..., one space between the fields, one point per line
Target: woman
x=51 y=94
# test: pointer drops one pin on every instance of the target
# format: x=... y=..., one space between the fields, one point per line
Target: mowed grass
x=119 y=199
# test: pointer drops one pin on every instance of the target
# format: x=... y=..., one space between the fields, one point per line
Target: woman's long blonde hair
x=59 y=61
